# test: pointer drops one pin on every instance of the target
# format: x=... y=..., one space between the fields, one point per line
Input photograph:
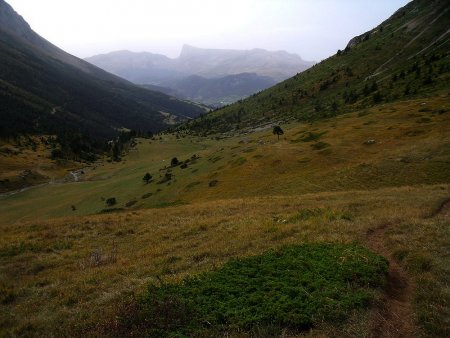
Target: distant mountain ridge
x=214 y=66
x=46 y=90
x=221 y=62
x=144 y=67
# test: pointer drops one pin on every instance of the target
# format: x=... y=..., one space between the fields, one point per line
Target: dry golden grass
x=60 y=277
x=63 y=271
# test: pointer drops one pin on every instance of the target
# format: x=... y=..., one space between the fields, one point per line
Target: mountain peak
x=188 y=49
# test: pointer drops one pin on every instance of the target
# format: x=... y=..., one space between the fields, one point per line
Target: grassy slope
x=47 y=272
x=337 y=84
x=49 y=285
x=411 y=147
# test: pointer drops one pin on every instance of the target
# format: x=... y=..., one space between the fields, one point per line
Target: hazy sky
x=313 y=29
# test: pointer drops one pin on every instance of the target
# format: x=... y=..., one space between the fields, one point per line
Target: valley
x=188 y=223
x=318 y=207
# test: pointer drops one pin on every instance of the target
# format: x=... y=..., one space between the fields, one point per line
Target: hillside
x=403 y=58
x=45 y=90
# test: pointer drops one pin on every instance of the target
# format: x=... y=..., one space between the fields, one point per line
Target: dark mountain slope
x=405 y=57
x=45 y=90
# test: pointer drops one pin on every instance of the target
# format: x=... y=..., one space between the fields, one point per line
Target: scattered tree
x=147 y=178
x=174 y=162
x=278 y=131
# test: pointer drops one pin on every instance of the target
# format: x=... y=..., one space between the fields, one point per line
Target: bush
x=295 y=287
x=111 y=201
x=311 y=136
x=167 y=177
x=130 y=203
x=320 y=145
x=174 y=162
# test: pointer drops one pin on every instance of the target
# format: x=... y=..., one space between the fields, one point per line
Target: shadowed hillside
x=45 y=90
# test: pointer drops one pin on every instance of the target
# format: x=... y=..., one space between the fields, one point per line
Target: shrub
x=111 y=210
x=320 y=145
x=295 y=287
x=167 y=177
x=111 y=201
x=130 y=203
x=192 y=184
x=311 y=136
x=213 y=183
x=174 y=162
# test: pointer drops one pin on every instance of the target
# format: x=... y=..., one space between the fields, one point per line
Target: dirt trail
x=394 y=316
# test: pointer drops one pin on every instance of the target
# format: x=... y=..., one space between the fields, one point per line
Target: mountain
x=403 y=58
x=217 y=62
x=140 y=68
x=46 y=90
x=217 y=68
x=210 y=63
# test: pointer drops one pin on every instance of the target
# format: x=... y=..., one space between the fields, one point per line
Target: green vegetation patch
x=293 y=287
